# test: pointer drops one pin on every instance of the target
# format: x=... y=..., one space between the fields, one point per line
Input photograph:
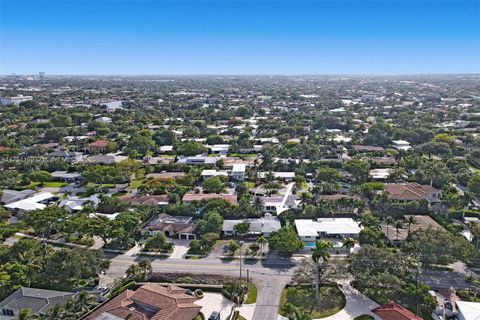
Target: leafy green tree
x=213 y=185
x=139 y=146
x=358 y=169
x=191 y=148
x=233 y=246
x=285 y=240
x=211 y=223
x=40 y=176
x=474 y=184
x=242 y=228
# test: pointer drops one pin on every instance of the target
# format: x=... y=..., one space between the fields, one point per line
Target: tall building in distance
x=41 y=75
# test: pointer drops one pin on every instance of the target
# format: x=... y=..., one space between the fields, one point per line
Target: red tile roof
x=394 y=311
x=150 y=302
x=99 y=144
x=146 y=200
x=409 y=191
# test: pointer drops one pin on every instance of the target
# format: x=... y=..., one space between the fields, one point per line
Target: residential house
x=99 y=146
x=37 y=300
x=284 y=176
x=238 y=172
x=363 y=148
x=191 y=197
x=413 y=191
x=66 y=176
x=333 y=229
x=401 y=145
x=219 y=148
x=213 y=173
x=262 y=226
x=380 y=174
x=9 y=196
x=38 y=201
x=103 y=120
x=180 y=226
x=69 y=156
x=394 y=311
x=75 y=204
x=150 y=301
x=159 y=200
x=421 y=223
x=199 y=160
x=468 y=310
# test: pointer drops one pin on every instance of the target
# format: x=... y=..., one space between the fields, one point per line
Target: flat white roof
x=31 y=203
x=469 y=310
x=332 y=226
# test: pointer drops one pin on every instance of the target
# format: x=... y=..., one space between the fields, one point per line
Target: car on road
x=215 y=315
x=448 y=305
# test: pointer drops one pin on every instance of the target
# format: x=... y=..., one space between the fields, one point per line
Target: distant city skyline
x=391 y=37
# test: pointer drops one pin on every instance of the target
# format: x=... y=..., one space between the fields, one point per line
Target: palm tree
x=348 y=243
x=84 y=302
x=258 y=205
x=146 y=267
x=369 y=220
x=321 y=251
x=398 y=225
x=410 y=220
x=389 y=221
x=262 y=241
x=27 y=314
x=306 y=199
x=54 y=313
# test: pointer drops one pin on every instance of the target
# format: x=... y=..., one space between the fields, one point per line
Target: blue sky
x=239 y=37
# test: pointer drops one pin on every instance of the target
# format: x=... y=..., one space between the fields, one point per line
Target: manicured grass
x=135 y=184
x=331 y=300
x=252 y=294
x=54 y=184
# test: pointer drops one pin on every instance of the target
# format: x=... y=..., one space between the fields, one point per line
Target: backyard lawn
x=331 y=300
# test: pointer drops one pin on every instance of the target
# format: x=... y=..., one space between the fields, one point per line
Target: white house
x=468 y=310
x=238 y=172
x=14 y=100
x=311 y=230
x=401 y=145
x=213 y=173
x=263 y=226
x=380 y=174
x=74 y=204
x=36 y=202
x=285 y=176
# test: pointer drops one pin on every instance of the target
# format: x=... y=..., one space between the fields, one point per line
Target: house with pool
x=333 y=229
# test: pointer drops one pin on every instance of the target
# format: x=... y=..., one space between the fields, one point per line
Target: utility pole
x=416 y=286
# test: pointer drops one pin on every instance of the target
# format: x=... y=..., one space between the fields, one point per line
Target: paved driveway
x=180 y=249
x=217 y=302
x=357 y=304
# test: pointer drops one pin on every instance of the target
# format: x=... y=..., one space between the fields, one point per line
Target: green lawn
x=134 y=184
x=252 y=294
x=331 y=300
x=54 y=184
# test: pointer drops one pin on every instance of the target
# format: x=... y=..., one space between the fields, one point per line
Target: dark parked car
x=448 y=305
x=214 y=316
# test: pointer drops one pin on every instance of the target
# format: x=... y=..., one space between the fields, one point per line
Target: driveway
x=357 y=304
x=217 y=302
x=180 y=249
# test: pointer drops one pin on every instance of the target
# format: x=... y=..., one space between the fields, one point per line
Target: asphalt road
x=270 y=275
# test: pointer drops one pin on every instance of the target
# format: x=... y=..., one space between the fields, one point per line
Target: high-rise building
x=41 y=75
